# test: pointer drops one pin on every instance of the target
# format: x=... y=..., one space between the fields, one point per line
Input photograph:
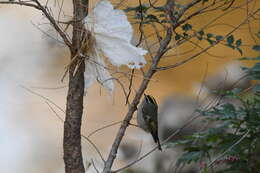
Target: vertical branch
x=164 y=46
x=74 y=108
x=133 y=106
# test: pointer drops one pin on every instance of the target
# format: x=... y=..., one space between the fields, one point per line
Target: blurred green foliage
x=233 y=145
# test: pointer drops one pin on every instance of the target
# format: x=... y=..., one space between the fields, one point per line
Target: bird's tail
x=156 y=140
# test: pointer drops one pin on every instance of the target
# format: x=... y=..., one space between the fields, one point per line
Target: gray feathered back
x=149 y=108
x=140 y=119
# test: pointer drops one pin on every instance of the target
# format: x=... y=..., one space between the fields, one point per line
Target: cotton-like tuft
x=112 y=34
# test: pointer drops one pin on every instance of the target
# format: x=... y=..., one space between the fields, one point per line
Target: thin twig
x=54 y=23
x=21 y=3
x=104 y=127
x=94 y=166
x=140 y=25
x=130 y=86
x=207 y=108
x=57 y=115
x=133 y=106
x=45 y=98
x=44 y=10
x=47 y=34
x=49 y=88
x=118 y=81
x=47 y=102
x=95 y=147
x=207 y=48
x=155 y=148
x=202 y=83
x=232 y=146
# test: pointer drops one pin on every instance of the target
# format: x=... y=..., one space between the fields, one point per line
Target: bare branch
x=232 y=146
x=21 y=3
x=94 y=166
x=133 y=106
x=44 y=10
x=193 y=117
x=48 y=35
x=130 y=86
x=96 y=148
x=45 y=98
x=57 y=115
x=84 y=137
x=204 y=50
x=54 y=23
x=104 y=127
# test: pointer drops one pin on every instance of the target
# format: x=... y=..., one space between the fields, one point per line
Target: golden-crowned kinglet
x=147 y=117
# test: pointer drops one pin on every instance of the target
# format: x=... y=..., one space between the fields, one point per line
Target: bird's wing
x=152 y=126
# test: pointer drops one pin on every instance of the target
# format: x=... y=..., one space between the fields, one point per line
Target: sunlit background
x=31 y=68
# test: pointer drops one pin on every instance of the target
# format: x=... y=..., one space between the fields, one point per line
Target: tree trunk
x=74 y=108
x=72 y=125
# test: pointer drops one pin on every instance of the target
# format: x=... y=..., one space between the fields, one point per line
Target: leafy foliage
x=256 y=47
x=255 y=70
x=233 y=144
x=211 y=38
x=146 y=14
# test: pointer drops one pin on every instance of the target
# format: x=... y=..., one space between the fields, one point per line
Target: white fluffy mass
x=96 y=69
x=112 y=34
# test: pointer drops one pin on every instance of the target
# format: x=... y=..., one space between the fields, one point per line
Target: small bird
x=147 y=117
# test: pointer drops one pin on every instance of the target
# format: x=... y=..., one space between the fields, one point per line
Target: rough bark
x=72 y=125
x=74 y=108
x=133 y=106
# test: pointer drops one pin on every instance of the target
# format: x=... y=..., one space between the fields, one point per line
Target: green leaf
x=254 y=71
x=131 y=170
x=189 y=157
x=238 y=42
x=179 y=142
x=204 y=1
x=180 y=6
x=230 y=121
x=250 y=58
x=211 y=42
x=258 y=34
x=159 y=9
x=209 y=35
x=162 y=15
x=201 y=32
x=177 y=37
x=152 y=18
x=199 y=37
x=256 y=67
x=225 y=112
x=164 y=21
x=257 y=88
x=186 y=27
x=219 y=37
x=239 y=50
x=129 y=9
x=185 y=35
x=256 y=48
x=230 y=39
x=139 y=8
